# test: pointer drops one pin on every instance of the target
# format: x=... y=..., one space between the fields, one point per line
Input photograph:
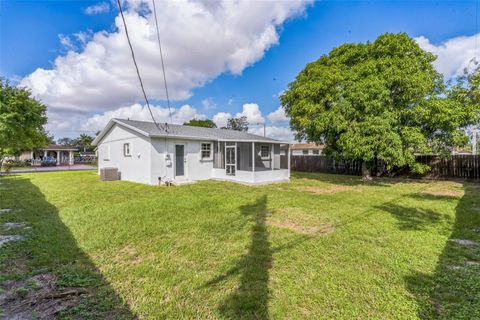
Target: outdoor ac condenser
x=108 y=174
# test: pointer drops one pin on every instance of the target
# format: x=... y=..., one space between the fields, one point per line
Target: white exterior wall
x=310 y=153
x=135 y=168
x=195 y=167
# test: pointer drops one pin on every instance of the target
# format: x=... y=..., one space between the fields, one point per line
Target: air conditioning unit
x=109 y=174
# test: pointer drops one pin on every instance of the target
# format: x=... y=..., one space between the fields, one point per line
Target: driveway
x=75 y=167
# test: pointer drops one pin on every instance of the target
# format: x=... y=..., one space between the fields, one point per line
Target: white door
x=230 y=160
x=180 y=161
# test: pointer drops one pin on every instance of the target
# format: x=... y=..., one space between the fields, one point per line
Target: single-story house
x=151 y=153
x=61 y=155
x=306 y=149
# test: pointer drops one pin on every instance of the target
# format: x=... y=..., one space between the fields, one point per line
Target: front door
x=230 y=165
x=179 y=160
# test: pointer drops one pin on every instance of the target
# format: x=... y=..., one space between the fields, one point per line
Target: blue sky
x=34 y=33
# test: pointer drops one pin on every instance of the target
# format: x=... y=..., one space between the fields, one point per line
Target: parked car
x=48 y=161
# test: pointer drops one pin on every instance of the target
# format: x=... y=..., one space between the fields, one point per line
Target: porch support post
x=253 y=156
x=58 y=157
x=272 y=156
x=31 y=155
x=44 y=154
x=70 y=157
x=289 y=156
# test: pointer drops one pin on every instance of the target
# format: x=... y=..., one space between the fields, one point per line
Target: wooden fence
x=459 y=166
x=324 y=164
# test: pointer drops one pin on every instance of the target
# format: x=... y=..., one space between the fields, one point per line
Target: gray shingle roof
x=176 y=130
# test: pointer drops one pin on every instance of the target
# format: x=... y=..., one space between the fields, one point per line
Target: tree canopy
x=84 y=141
x=238 y=124
x=206 y=123
x=22 y=118
x=377 y=100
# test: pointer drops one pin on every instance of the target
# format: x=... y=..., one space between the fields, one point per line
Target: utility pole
x=264 y=128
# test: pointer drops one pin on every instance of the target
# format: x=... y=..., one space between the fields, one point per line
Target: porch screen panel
x=219 y=155
x=276 y=156
x=284 y=156
x=244 y=156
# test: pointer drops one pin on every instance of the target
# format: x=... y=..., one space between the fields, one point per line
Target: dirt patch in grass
x=321 y=229
x=294 y=219
x=444 y=193
x=327 y=189
x=464 y=242
x=128 y=255
x=9 y=238
x=37 y=297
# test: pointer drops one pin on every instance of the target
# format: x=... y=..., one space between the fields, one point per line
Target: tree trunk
x=366 y=174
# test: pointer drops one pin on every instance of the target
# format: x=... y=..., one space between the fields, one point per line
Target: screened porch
x=251 y=162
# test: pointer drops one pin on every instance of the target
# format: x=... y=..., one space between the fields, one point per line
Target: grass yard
x=322 y=246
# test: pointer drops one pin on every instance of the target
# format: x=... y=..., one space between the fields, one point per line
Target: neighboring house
x=148 y=153
x=61 y=155
x=306 y=149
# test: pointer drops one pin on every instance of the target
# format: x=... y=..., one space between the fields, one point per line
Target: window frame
x=267 y=157
x=305 y=152
x=316 y=152
x=210 y=151
x=125 y=154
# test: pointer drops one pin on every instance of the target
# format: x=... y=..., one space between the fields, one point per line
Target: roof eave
x=109 y=125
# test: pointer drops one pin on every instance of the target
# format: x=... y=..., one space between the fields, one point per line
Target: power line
x=135 y=62
x=161 y=58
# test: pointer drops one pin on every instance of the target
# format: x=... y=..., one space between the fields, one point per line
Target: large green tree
x=376 y=100
x=466 y=91
x=206 y=123
x=22 y=118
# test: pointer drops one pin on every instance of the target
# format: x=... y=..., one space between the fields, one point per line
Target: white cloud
x=454 y=55
x=201 y=40
x=279 y=133
x=221 y=118
x=252 y=112
x=66 y=42
x=139 y=112
x=102 y=7
x=208 y=104
x=278 y=116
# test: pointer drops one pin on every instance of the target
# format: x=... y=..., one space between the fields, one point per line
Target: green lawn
x=322 y=246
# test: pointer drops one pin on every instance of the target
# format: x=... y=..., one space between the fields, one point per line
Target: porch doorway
x=230 y=160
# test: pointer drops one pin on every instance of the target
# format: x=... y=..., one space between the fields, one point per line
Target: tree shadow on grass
x=250 y=298
x=453 y=290
x=46 y=275
x=413 y=218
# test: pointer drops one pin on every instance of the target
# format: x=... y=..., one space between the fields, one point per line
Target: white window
x=206 y=151
x=265 y=152
x=305 y=152
x=126 y=150
x=316 y=152
x=106 y=153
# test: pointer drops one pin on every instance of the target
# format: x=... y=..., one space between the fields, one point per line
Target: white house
x=149 y=153
x=59 y=155
x=306 y=149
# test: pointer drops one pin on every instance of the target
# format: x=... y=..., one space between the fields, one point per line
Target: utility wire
x=135 y=63
x=161 y=58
